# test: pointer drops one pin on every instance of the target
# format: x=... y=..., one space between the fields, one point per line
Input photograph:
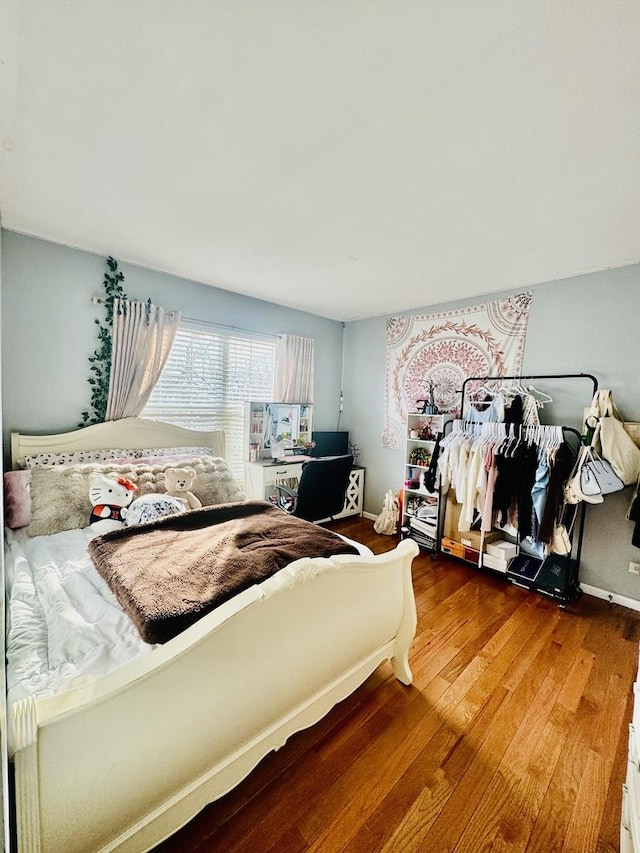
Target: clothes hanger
x=542 y=397
x=511 y=390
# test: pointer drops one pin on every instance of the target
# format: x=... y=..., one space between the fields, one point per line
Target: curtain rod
x=97 y=300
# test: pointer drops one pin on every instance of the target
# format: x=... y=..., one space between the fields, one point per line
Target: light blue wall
x=48 y=330
x=586 y=324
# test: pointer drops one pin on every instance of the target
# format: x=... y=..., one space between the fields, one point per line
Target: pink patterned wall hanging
x=445 y=349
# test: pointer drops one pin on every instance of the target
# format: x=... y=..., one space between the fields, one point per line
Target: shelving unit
x=255 y=424
x=264 y=421
x=304 y=425
x=420 y=507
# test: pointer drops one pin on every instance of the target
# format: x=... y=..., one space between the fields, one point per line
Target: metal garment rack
x=566 y=429
x=523 y=376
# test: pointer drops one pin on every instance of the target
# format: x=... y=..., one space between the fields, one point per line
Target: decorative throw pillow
x=151 y=507
x=60 y=493
x=17 y=498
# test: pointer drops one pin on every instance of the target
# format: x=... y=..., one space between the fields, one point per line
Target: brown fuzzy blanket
x=169 y=573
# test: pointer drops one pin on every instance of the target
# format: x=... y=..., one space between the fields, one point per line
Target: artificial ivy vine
x=100 y=360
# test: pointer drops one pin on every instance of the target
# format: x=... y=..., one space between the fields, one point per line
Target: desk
x=260 y=477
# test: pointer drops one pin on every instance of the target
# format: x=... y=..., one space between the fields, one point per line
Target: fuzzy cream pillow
x=60 y=494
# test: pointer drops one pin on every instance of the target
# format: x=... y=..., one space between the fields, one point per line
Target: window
x=210 y=373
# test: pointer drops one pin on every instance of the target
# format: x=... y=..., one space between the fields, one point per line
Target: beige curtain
x=294 y=369
x=142 y=338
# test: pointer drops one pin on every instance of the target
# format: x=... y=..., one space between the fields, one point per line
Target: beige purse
x=616 y=440
x=560 y=541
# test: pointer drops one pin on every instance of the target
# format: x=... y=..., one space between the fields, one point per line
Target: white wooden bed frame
x=124 y=761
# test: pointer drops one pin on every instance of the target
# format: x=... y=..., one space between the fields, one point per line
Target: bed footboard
x=123 y=762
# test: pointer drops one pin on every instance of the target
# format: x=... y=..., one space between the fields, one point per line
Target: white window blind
x=209 y=375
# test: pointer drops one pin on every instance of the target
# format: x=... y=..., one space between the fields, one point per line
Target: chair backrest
x=323 y=486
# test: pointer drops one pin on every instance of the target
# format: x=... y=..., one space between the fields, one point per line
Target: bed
x=120 y=760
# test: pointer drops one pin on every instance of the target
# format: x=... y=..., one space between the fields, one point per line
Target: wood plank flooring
x=513 y=736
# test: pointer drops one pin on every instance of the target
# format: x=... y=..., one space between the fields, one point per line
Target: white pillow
x=82 y=457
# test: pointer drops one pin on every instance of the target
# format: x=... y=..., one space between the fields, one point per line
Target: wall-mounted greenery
x=100 y=360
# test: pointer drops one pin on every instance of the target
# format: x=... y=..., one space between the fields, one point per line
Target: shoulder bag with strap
x=616 y=440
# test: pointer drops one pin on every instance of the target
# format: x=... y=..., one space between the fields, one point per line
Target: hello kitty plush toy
x=110 y=499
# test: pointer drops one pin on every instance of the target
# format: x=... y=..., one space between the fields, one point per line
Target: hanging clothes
x=563 y=461
x=539 y=491
x=513 y=413
x=488 y=410
x=506 y=476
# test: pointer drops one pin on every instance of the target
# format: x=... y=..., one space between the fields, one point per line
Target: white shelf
x=299 y=423
x=416 y=497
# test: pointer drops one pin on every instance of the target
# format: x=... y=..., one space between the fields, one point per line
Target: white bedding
x=64 y=625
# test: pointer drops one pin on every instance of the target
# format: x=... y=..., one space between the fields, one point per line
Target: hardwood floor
x=513 y=736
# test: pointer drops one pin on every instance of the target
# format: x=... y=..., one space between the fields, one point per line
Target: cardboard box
x=495 y=563
x=524 y=568
x=473 y=538
x=472 y=556
x=502 y=549
x=450 y=546
x=470 y=538
x=555 y=574
x=451 y=516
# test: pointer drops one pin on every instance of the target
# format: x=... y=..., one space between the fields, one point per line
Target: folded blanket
x=169 y=573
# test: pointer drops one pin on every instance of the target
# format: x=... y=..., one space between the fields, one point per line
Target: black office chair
x=321 y=490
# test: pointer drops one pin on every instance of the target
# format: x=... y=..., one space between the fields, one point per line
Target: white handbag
x=597 y=476
x=572 y=492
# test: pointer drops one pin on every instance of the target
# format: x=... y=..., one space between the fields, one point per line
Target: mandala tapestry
x=440 y=351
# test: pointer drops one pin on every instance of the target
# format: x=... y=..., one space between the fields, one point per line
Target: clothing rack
x=523 y=376
x=517 y=429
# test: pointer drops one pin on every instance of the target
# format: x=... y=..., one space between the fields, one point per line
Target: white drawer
x=278 y=473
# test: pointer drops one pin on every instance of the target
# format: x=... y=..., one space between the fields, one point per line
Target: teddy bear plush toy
x=178 y=481
x=110 y=499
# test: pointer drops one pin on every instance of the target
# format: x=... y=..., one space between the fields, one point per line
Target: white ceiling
x=348 y=158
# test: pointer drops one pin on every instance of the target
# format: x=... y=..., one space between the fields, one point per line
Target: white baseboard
x=613 y=597
x=370 y=515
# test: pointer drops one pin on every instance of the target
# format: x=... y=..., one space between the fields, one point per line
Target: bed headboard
x=131 y=433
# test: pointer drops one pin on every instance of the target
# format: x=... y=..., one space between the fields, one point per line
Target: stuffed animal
x=178 y=481
x=151 y=507
x=110 y=499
